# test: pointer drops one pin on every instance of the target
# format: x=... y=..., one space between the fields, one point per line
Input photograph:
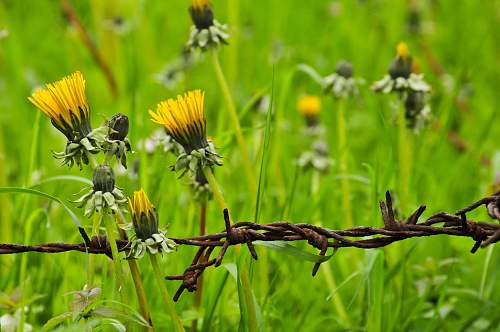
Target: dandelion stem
x=169 y=303
x=92 y=160
x=228 y=99
x=404 y=156
x=119 y=278
x=136 y=277
x=218 y=196
x=198 y=294
x=343 y=161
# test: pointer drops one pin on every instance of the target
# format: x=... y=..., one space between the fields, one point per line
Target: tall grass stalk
x=119 y=277
x=343 y=164
x=404 y=157
x=199 y=292
x=233 y=9
x=244 y=276
x=167 y=300
x=329 y=278
x=7 y=227
x=228 y=99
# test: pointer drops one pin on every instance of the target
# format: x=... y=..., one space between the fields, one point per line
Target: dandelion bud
x=206 y=31
x=344 y=69
x=104 y=179
x=118 y=125
x=144 y=215
x=201 y=14
x=401 y=66
x=309 y=107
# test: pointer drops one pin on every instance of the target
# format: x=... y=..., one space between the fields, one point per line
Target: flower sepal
x=341 y=87
x=196 y=160
x=76 y=152
x=316 y=158
x=203 y=39
x=414 y=83
x=157 y=243
x=95 y=201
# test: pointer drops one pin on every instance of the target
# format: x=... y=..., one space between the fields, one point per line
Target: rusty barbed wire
x=483 y=234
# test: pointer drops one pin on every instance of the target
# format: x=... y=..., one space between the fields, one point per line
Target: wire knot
x=477 y=233
x=238 y=236
x=494 y=209
x=315 y=239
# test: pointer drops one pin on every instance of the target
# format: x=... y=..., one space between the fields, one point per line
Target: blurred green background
x=431 y=284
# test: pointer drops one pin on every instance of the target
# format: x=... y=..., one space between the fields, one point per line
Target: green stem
x=404 y=157
x=248 y=298
x=228 y=99
x=218 y=196
x=92 y=159
x=343 y=164
x=169 y=303
x=336 y=298
x=116 y=258
x=199 y=292
x=136 y=277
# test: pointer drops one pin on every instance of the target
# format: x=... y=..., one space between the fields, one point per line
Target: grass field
x=275 y=50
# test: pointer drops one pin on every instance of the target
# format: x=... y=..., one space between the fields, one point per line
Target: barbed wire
x=483 y=234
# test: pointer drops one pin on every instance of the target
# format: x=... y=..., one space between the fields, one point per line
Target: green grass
x=432 y=284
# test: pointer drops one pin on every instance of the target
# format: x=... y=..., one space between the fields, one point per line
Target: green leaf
x=293 y=251
x=41 y=194
x=265 y=153
x=55 y=321
x=62 y=178
x=311 y=72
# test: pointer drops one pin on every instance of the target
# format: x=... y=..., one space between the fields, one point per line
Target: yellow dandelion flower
x=201 y=14
x=184 y=119
x=402 y=51
x=199 y=4
x=309 y=106
x=65 y=103
x=144 y=215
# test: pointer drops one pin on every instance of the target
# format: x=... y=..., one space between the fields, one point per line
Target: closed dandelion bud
x=309 y=107
x=344 y=69
x=118 y=125
x=103 y=194
x=144 y=215
x=104 y=179
x=401 y=66
x=201 y=14
x=206 y=31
